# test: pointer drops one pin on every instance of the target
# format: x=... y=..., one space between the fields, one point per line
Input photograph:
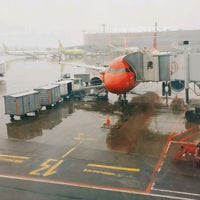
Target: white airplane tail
x=6 y=49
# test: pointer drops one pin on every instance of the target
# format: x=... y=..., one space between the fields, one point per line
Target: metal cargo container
x=20 y=104
x=65 y=88
x=49 y=95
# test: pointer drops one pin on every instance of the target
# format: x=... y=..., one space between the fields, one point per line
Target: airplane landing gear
x=166 y=89
x=122 y=99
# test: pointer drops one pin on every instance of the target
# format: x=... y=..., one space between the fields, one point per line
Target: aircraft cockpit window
x=120 y=70
x=111 y=70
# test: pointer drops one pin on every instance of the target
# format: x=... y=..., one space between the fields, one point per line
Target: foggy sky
x=44 y=22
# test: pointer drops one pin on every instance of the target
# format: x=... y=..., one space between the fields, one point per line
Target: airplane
x=118 y=78
x=70 y=52
x=125 y=72
x=123 y=50
x=31 y=53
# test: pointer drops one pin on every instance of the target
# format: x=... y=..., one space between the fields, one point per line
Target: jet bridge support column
x=187 y=77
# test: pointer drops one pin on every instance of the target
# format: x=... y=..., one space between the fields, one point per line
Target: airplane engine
x=96 y=81
x=177 y=85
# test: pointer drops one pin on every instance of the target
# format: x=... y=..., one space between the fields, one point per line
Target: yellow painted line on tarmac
x=102 y=172
x=77 y=138
x=71 y=150
x=114 y=167
x=52 y=169
x=68 y=152
x=12 y=158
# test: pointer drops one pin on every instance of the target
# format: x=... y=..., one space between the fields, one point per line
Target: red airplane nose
x=119 y=83
x=119 y=78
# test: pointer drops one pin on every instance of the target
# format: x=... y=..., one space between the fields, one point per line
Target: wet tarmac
x=69 y=152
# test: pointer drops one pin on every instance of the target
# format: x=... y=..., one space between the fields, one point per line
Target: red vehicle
x=189 y=149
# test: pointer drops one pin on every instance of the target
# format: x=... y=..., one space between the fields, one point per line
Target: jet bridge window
x=149 y=65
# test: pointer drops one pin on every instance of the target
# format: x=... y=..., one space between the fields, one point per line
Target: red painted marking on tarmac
x=190 y=136
x=181 y=142
x=82 y=185
x=74 y=184
x=163 y=153
x=159 y=163
x=183 y=132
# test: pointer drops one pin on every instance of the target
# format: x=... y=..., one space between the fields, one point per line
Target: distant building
x=166 y=40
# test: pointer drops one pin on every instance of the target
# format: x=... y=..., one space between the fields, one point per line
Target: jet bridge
x=186 y=67
x=149 y=65
x=176 y=71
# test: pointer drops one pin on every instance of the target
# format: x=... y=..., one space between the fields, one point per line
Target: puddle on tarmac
x=131 y=133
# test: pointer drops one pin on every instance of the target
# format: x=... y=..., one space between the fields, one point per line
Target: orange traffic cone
x=108 y=120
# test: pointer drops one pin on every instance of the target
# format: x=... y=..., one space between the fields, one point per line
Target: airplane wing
x=98 y=68
x=96 y=79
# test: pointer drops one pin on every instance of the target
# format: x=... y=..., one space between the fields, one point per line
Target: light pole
x=104 y=27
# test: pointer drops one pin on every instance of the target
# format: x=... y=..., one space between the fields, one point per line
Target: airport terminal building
x=166 y=40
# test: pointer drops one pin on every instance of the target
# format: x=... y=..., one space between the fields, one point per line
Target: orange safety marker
x=108 y=120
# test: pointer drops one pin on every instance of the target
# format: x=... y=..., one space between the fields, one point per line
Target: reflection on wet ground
x=132 y=130
x=33 y=126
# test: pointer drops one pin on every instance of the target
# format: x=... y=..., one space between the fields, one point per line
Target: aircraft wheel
x=12 y=117
x=48 y=107
x=37 y=112
x=124 y=102
x=23 y=116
